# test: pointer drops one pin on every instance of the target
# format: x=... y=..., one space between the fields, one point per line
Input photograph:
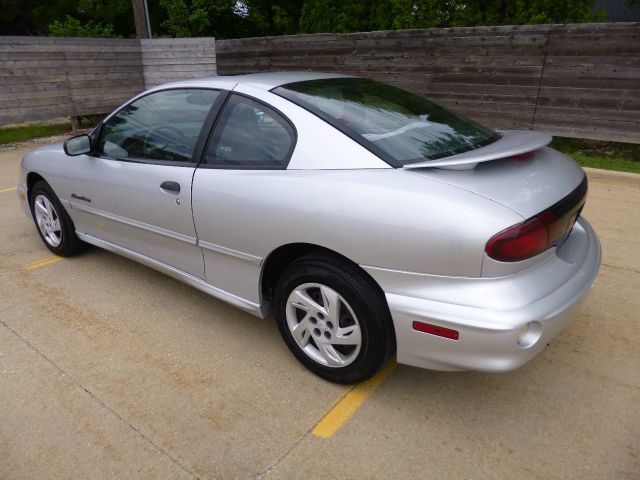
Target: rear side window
x=163 y=125
x=250 y=135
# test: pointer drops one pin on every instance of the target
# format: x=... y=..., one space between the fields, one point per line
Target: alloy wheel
x=48 y=220
x=323 y=325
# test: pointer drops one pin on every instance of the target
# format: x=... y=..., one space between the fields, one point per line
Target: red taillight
x=521 y=156
x=534 y=236
x=519 y=242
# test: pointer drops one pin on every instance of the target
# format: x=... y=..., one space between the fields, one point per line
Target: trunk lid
x=525 y=178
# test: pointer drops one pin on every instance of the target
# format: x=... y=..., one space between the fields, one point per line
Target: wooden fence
x=580 y=80
x=50 y=77
x=170 y=59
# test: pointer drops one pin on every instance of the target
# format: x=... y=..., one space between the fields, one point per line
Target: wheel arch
x=277 y=261
x=32 y=179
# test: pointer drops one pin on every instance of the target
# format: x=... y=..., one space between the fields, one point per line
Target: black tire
x=70 y=244
x=365 y=300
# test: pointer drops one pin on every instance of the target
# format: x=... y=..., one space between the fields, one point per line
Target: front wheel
x=334 y=319
x=52 y=221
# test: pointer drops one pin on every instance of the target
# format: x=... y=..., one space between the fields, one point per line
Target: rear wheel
x=52 y=221
x=334 y=319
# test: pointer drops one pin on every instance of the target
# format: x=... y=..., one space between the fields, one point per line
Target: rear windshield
x=398 y=126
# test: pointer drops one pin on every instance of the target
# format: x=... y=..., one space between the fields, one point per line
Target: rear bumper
x=491 y=314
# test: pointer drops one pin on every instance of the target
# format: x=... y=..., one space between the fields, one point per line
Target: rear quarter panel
x=385 y=218
x=526 y=186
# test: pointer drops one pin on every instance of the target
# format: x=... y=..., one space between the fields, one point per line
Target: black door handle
x=173 y=187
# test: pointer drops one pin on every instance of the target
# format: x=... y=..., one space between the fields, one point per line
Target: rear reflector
x=436 y=330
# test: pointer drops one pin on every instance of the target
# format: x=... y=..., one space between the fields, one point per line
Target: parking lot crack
x=101 y=402
x=293 y=446
x=284 y=455
x=620 y=268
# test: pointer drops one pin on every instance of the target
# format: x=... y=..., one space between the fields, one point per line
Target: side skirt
x=259 y=310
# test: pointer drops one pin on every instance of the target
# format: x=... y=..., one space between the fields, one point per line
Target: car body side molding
x=252 y=259
x=134 y=223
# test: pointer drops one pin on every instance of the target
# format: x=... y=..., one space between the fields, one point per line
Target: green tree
x=117 y=13
x=519 y=12
x=335 y=16
x=274 y=17
x=362 y=15
x=249 y=18
x=186 y=18
x=71 y=27
x=408 y=14
x=218 y=18
x=32 y=17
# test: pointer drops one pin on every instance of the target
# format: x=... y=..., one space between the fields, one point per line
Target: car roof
x=264 y=80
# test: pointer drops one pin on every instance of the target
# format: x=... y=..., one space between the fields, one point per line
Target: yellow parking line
x=349 y=404
x=42 y=263
x=7 y=189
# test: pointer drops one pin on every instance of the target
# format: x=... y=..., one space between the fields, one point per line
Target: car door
x=250 y=145
x=134 y=191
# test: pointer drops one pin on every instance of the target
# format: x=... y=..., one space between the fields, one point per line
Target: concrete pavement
x=111 y=370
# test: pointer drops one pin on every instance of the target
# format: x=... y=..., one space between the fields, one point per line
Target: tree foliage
x=247 y=18
x=77 y=17
x=366 y=15
x=186 y=19
x=71 y=27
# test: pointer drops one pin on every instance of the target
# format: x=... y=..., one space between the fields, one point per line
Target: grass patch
x=623 y=157
x=606 y=163
x=28 y=132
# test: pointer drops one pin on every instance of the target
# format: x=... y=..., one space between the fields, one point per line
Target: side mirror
x=77 y=145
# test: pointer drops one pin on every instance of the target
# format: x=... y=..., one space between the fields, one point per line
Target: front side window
x=399 y=126
x=163 y=126
x=250 y=135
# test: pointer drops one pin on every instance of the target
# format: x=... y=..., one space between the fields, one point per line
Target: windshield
x=398 y=126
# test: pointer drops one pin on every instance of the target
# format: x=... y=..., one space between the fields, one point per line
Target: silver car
x=370 y=221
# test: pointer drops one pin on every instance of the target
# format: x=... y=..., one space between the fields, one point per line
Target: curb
x=612 y=177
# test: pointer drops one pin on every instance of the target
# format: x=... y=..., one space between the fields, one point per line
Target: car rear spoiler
x=512 y=142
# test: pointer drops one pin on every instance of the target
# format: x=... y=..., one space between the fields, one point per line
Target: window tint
x=161 y=126
x=250 y=135
x=397 y=125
